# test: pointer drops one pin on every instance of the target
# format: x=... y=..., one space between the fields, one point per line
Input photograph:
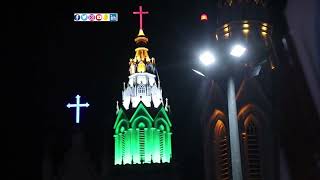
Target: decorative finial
x=158 y=78
x=117 y=107
x=141 y=33
x=166 y=106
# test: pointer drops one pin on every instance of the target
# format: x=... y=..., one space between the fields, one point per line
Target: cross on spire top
x=140 y=12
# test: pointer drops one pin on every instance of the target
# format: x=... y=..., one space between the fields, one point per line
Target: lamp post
x=232 y=63
x=238 y=22
x=234 y=131
x=207 y=58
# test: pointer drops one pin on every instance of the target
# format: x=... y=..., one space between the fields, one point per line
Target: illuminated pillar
x=156 y=145
x=148 y=144
x=127 y=156
x=117 y=158
x=135 y=147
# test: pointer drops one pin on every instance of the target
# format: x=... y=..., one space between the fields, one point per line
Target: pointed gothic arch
x=123 y=124
x=222 y=155
x=219 y=152
x=160 y=122
x=137 y=122
x=252 y=120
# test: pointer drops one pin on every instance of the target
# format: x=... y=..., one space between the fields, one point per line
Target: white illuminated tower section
x=144 y=84
x=142 y=127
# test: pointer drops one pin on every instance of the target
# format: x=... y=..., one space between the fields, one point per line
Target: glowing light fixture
x=245 y=25
x=264 y=34
x=207 y=58
x=204 y=17
x=245 y=31
x=264 y=28
x=238 y=50
x=198 y=72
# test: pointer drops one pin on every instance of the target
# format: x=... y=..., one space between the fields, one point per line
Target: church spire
x=142 y=138
x=142 y=85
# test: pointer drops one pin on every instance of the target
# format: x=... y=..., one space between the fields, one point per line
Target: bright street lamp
x=237 y=50
x=207 y=58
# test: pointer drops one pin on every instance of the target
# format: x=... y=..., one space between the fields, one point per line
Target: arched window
x=252 y=147
x=141 y=89
x=222 y=158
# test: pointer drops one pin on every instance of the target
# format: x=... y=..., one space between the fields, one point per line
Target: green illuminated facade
x=142 y=128
x=142 y=138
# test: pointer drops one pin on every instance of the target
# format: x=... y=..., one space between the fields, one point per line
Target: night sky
x=54 y=58
x=59 y=58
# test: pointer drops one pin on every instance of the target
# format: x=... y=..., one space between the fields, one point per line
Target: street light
x=238 y=50
x=207 y=58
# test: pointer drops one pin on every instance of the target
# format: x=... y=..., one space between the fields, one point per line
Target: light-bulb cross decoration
x=140 y=12
x=77 y=106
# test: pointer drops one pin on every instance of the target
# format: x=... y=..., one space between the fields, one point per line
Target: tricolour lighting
x=207 y=58
x=238 y=50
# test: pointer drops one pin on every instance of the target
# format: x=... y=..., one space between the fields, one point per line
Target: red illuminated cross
x=140 y=12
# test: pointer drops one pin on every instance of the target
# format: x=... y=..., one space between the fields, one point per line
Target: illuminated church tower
x=255 y=126
x=142 y=130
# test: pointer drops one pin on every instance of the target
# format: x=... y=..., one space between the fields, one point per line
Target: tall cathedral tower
x=244 y=22
x=142 y=130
